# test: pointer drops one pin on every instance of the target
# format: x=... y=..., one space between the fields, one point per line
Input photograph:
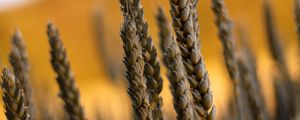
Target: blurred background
x=90 y=32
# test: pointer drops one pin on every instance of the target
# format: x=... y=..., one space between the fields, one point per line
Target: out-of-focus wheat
x=113 y=68
x=13 y=97
x=224 y=26
x=65 y=78
x=277 y=53
x=250 y=82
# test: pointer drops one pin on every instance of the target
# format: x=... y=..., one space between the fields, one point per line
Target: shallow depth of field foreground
x=150 y=59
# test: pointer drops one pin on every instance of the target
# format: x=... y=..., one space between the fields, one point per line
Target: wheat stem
x=134 y=63
x=13 y=97
x=65 y=78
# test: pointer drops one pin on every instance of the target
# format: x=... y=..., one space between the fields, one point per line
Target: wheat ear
x=224 y=26
x=65 y=78
x=13 y=97
x=279 y=58
x=134 y=63
x=134 y=10
x=183 y=16
x=176 y=71
x=247 y=67
x=19 y=61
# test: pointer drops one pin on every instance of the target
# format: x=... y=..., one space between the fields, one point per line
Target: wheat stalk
x=13 y=97
x=184 y=16
x=278 y=55
x=19 y=61
x=134 y=63
x=134 y=9
x=224 y=26
x=65 y=79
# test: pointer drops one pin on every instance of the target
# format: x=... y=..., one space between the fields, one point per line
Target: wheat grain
x=65 y=78
x=134 y=10
x=278 y=56
x=224 y=26
x=19 y=61
x=184 y=16
x=176 y=71
x=13 y=97
x=134 y=63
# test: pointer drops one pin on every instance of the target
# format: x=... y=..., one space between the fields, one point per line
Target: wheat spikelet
x=134 y=10
x=224 y=26
x=19 y=61
x=13 y=97
x=65 y=79
x=176 y=71
x=134 y=63
x=278 y=56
